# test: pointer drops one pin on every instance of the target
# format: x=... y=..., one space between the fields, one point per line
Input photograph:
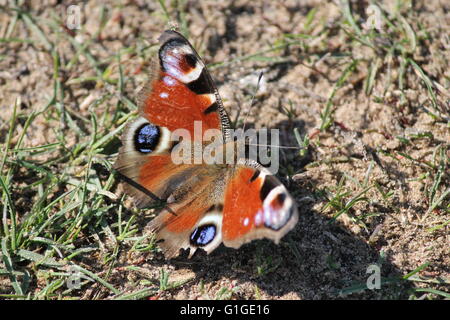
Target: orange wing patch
x=241 y=203
x=173 y=105
x=185 y=218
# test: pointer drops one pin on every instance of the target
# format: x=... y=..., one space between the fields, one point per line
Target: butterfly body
x=223 y=198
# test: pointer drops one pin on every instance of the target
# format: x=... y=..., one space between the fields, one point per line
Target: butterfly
x=206 y=204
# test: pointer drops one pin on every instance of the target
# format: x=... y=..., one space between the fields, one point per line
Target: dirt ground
x=372 y=187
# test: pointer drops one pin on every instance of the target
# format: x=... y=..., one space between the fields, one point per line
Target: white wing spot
x=169 y=81
x=164 y=95
x=258 y=218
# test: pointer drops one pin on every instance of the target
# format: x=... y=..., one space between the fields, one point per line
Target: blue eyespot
x=146 y=138
x=203 y=235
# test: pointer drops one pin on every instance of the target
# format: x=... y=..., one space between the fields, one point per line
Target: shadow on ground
x=319 y=259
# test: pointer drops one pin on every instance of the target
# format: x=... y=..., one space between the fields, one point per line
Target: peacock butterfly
x=206 y=203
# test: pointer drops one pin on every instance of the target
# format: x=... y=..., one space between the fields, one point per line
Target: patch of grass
x=69 y=217
x=342 y=200
x=265 y=264
x=395 y=40
x=396 y=281
x=261 y=55
x=226 y=293
x=327 y=114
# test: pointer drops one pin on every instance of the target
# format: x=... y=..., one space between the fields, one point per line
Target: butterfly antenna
x=253 y=100
x=273 y=146
x=248 y=112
